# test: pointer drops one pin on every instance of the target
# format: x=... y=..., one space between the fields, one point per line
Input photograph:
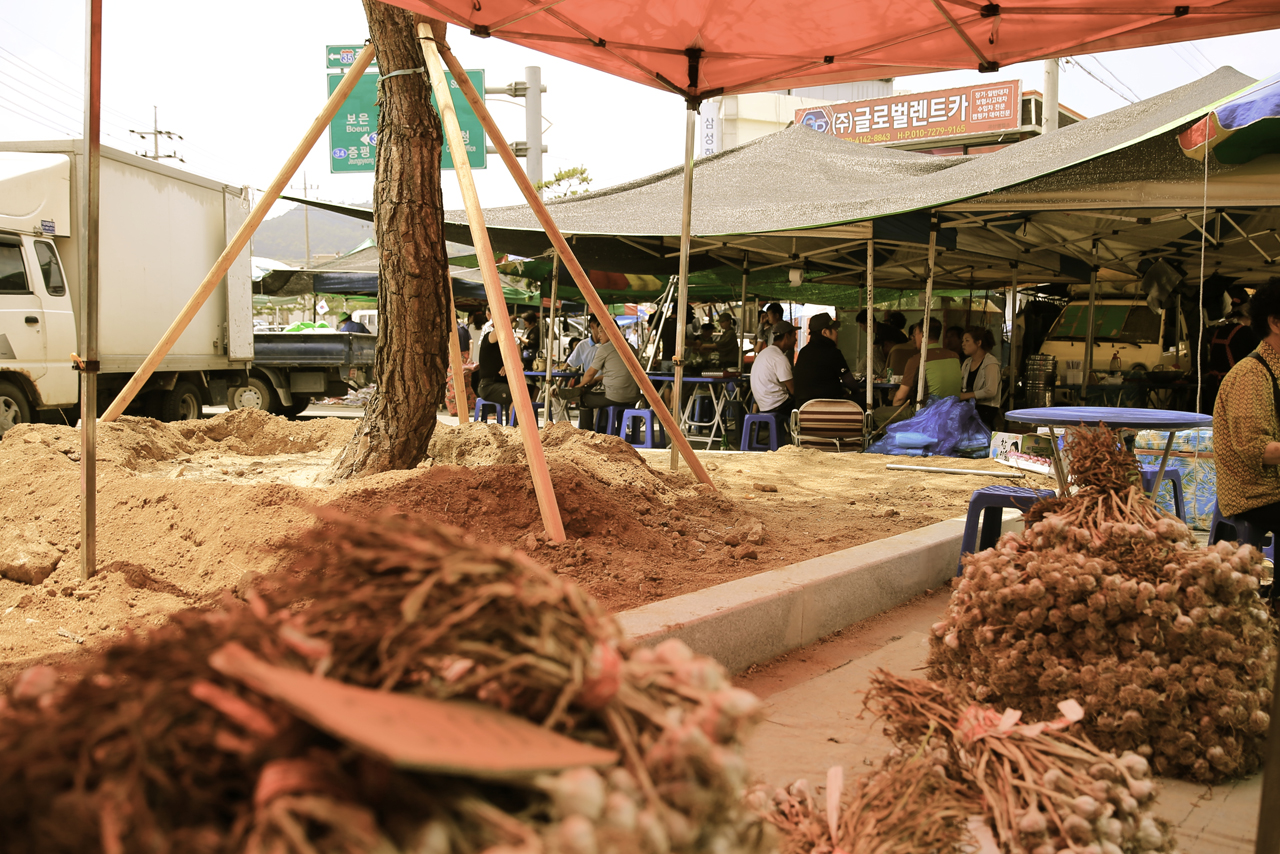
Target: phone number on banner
x=921 y=133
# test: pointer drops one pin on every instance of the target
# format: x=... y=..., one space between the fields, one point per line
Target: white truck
x=161 y=230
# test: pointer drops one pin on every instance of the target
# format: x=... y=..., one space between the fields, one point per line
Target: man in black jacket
x=821 y=370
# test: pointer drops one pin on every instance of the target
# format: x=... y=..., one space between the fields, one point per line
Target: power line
x=23 y=111
x=1116 y=77
x=1079 y=65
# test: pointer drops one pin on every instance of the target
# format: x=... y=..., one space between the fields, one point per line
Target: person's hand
x=1271 y=454
x=502 y=372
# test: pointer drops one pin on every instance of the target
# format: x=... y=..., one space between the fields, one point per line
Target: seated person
x=900 y=354
x=704 y=341
x=941 y=376
x=773 y=316
x=727 y=346
x=821 y=370
x=607 y=382
x=980 y=374
x=772 y=382
x=493 y=385
x=580 y=357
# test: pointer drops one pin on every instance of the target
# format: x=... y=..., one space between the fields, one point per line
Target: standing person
x=821 y=370
x=1246 y=426
x=980 y=374
x=493 y=375
x=768 y=328
x=532 y=347
x=464 y=341
x=772 y=381
x=606 y=383
x=1231 y=341
x=953 y=340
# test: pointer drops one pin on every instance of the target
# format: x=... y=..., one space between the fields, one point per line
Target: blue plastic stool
x=482 y=416
x=1171 y=476
x=1231 y=528
x=704 y=412
x=609 y=416
x=536 y=407
x=644 y=440
x=751 y=432
x=987 y=506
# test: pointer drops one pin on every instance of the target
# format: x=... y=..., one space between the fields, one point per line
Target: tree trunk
x=408 y=220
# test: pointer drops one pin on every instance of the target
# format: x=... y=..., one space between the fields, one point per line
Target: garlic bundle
x=1104 y=600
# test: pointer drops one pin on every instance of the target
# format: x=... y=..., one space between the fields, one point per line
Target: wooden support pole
x=455 y=358
x=571 y=262
x=241 y=240
x=522 y=407
x=682 y=299
x=551 y=332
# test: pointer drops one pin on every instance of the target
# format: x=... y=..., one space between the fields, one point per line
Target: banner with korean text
x=922 y=115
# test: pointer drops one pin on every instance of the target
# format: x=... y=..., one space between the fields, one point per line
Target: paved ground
x=814 y=701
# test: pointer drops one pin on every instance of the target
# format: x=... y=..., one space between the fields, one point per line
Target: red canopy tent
x=703 y=48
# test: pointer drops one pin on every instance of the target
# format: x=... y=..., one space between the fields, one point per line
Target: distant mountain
x=283 y=238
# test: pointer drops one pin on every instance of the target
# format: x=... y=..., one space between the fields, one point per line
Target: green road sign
x=353 y=131
x=472 y=131
x=344 y=55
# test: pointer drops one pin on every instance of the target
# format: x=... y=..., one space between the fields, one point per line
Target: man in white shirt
x=582 y=356
x=771 y=379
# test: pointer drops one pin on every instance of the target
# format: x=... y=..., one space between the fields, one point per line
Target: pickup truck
x=161 y=230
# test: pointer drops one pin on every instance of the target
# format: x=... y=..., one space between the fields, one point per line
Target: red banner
x=921 y=116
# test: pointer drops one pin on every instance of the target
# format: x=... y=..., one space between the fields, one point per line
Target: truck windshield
x=1134 y=324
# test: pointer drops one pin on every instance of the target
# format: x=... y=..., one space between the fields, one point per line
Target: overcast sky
x=242 y=81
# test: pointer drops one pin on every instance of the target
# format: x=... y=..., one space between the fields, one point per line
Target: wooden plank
x=416 y=733
x=523 y=407
x=569 y=259
x=241 y=240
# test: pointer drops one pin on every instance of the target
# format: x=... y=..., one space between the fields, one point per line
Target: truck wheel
x=14 y=408
x=181 y=404
x=256 y=395
x=299 y=405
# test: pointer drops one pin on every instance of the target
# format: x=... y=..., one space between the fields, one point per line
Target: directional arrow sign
x=353 y=131
x=343 y=55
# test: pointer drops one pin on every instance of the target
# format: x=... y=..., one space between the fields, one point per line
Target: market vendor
x=980 y=374
x=1246 y=431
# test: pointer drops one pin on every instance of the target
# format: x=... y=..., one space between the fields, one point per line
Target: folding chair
x=824 y=422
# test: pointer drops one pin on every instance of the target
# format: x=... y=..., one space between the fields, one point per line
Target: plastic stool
x=1231 y=528
x=610 y=415
x=646 y=439
x=704 y=412
x=751 y=432
x=1171 y=476
x=499 y=411
x=987 y=506
x=537 y=406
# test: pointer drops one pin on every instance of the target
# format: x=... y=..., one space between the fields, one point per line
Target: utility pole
x=155 y=133
x=1050 y=95
x=306 y=215
x=531 y=148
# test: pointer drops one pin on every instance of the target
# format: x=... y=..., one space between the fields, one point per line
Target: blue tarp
x=944 y=427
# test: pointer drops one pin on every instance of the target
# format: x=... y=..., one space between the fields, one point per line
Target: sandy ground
x=186 y=510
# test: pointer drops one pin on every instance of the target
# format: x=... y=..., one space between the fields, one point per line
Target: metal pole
x=682 y=308
x=1015 y=347
x=1050 y=95
x=928 y=304
x=746 y=274
x=1087 y=364
x=551 y=330
x=871 y=324
x=306 y=223
x=1268 y=841
x=89 y=190
x=533 y=124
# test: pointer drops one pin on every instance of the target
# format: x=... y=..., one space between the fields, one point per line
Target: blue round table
x=1122 y=417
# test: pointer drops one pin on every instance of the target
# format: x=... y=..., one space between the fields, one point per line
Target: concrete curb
x=755 y=619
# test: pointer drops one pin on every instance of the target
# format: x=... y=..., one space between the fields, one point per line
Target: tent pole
x=655 y=334
x=551 y=332
x=682 y=305
x=1087 y=364
x=871 y=324
x=570 y=260
x=522 y=407
x=241 y=239
x=1015 y=346
x=746 y=274
x=928 y=304
x=90 y=186
x=455 y=358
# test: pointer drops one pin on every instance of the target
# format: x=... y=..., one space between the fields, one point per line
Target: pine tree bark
x=408 y=221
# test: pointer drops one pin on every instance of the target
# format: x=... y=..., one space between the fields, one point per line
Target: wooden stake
x=571 y=262
x=241 y=240
x=523 y=408
x=455 y=358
